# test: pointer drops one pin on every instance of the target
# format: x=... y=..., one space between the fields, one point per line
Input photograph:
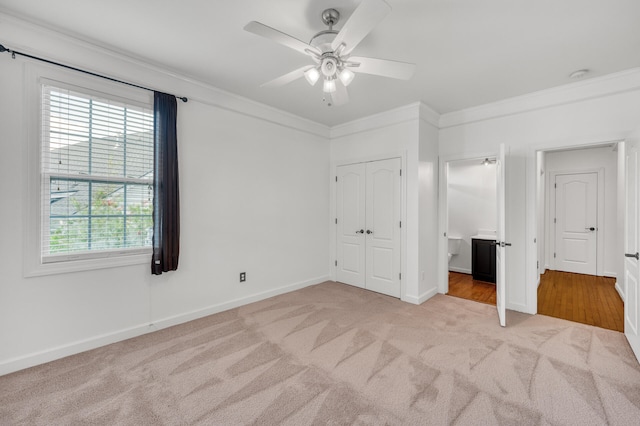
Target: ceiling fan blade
x=287 y=78
x=281 y=38
x=340 y=96
x=360 y=23
x=383 y=67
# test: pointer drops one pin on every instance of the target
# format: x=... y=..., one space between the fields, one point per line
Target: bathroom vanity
x=483 y=258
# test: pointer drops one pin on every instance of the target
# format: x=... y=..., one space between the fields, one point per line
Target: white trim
x=41 y=357
x=550 y=195
x=592 y=88
x=443 y=212
x=333 y=238
x=36 y=74
x=422 y=298
x=620 y=292
x=429 y=115
x=214 y=309
x=15 y=30
x=460 y=270
x=36 y=358
x=532 y=167
x=377 y=121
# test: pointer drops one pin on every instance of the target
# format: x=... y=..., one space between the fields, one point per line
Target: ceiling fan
x=331 y=51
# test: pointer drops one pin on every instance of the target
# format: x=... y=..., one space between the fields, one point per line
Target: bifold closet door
x=368 y=225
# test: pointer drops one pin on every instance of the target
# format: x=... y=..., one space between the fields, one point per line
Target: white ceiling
x=468 y=52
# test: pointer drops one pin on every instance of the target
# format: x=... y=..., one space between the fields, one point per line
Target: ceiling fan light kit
x=331 y=51
x=312 y=75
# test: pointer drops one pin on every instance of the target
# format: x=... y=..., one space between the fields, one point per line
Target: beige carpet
x=335 y=354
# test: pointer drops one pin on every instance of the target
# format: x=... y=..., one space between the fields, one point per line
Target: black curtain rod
x=14 y=53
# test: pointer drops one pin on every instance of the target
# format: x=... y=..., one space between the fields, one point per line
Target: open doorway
x=471 y=228
x=578 y=222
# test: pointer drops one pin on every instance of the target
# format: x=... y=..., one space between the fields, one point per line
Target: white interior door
x=368 y=225
x=383 y=227
x=350 y=212
x=576 y=223
x=631 y=249
x=501 y=245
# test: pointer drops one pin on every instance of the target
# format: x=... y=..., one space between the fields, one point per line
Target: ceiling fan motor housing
x=329 y=66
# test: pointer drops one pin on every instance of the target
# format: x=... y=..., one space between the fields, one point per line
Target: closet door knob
x=360 y=231
x=369 y=231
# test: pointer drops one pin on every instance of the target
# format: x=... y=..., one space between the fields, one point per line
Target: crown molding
x=593 y=88
x=36 y=39
x=429 y=115
x=411 y=112
x=376 y=121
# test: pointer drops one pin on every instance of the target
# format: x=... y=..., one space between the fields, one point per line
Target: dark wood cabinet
x=483 y=260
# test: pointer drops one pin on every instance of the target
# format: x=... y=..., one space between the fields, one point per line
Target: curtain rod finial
x=3 y=49
x=183 y=98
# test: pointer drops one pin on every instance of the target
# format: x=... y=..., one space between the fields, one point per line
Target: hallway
x=581 y=298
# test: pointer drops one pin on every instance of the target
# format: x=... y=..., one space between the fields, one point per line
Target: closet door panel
x=383 y=226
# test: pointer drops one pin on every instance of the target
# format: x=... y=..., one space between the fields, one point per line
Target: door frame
x=532 y=279
x=550 y=205
x=333 y=237
x=443 y=211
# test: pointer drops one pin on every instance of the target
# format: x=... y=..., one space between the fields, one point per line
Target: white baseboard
x=41 y=357
x=609 y=274
x=461 y=270
x=620 y=292
x=214 y=309
x=48 y=355
x=418 y=300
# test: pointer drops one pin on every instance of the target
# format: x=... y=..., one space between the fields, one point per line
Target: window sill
x=42 y=269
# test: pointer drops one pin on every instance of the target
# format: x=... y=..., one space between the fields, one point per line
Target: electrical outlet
x=243 y=277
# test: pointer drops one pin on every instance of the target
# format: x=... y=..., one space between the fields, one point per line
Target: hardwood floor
x=581 y=298
x=465 y=287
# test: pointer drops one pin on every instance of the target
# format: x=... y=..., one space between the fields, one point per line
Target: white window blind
x=97 y=175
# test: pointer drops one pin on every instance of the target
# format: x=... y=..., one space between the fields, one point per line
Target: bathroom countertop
x=483 y=237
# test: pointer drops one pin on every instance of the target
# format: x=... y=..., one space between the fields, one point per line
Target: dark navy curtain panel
x=166 y=199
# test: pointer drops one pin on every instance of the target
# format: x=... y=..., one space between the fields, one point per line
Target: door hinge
x=336 y=220
x=336 y=178
x=400 y=224
x=400 y=172
x=555 y=185
x=554 y=255
x=538 y=265
x=400 y=276
x=335 y=263
x=554 y=220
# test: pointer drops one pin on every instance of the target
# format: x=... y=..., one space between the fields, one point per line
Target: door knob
x=360 y=231
x=590 y=229
x=637 y=255
x=369 y=231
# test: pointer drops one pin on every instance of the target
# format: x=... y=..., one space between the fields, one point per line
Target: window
x=96 y=174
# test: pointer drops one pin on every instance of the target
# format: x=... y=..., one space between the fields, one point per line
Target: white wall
x=471 y=196
x=409 y=133
x=604 y=158
x=254 y=198
x=595 y=111
x=429 y=264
